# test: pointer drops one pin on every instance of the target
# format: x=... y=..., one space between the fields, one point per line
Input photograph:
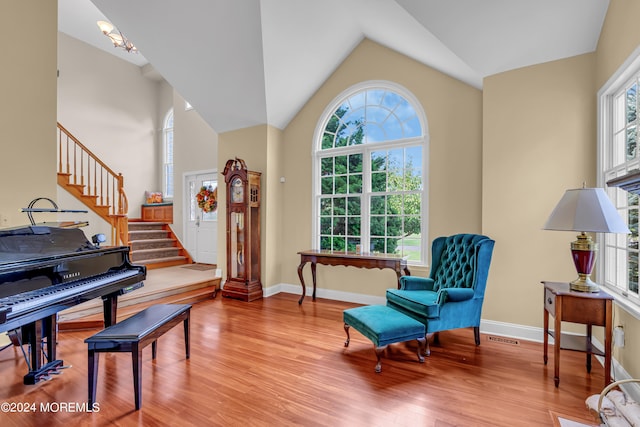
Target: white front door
x=201 y=236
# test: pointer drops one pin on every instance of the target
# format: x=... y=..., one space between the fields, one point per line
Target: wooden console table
x=589 y=308
x=397 y=263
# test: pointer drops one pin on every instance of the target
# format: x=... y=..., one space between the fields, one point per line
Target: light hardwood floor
x=274 y=363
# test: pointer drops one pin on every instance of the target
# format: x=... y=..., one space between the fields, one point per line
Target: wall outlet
x=618 y=336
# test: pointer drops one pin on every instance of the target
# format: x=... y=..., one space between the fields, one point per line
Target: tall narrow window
x=619 y=155
x=167 y=156
x=370 y=173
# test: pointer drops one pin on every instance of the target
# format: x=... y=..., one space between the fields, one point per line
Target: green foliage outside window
x=393 y=190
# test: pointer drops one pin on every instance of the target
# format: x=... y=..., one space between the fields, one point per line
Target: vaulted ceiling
x=246 y=62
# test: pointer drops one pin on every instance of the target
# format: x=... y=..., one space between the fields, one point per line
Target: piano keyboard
x=27 y=301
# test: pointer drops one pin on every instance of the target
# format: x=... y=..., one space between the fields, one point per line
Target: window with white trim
x=617 y=155
x=167 y=156
x=370 y=173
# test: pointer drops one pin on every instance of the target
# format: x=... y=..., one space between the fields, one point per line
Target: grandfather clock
x=243 y=232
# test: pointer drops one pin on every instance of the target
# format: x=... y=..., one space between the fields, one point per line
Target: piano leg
x=110 y=309
x=50 y=331
x=33 y=334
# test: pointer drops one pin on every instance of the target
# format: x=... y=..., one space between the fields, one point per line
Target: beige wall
x=195 y=148
x=28 y=107
x=454 y=115
x=619 y=37
x=111 y=108
x=539 y=140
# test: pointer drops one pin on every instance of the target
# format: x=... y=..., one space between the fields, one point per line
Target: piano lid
x=41 y=241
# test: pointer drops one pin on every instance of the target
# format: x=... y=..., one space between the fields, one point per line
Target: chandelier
x=116 y=37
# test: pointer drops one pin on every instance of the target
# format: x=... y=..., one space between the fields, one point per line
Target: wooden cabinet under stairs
x=153 y=244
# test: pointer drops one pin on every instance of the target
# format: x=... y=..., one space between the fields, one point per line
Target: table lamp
x=585 y=210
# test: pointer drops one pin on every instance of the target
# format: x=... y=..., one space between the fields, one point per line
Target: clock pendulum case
x=243 y=232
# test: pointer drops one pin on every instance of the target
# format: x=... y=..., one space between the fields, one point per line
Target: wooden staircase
x=91 y=181
x=155 y=245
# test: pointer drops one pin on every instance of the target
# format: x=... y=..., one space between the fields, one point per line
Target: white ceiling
x=249 y=62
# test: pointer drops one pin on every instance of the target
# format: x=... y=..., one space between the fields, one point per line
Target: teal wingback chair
x=452 y=296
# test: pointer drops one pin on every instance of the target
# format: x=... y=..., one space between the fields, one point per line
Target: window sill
x=624 y=303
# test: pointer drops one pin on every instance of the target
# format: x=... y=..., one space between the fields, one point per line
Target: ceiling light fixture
x=116 y=36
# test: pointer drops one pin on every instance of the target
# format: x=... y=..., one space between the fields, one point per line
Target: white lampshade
x=586 y=209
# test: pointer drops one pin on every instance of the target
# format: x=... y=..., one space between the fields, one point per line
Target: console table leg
x=304 y=289
x=313 y=275
x=589 y=351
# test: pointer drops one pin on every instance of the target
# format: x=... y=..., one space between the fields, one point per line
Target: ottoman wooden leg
x=422 y=344
x=346 y=329
x=379 y=351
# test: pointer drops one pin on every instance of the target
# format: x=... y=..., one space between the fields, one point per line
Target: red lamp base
x=584 y=251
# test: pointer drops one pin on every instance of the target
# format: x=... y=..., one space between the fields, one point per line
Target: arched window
x=167 y=156
x=370 y=173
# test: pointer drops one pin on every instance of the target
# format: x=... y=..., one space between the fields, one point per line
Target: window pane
x=326 y=166
x=379 y=182
x=327 y=185
x=339 y=226
x=352 y=242
x=353 y=206
x=341 y=185
x=355 y=184
x=633 y=272
x=325 y=206
x=377 y=205
x=377 y=226
x=631 y=103
x=354 y=226
x=378 y=161
x=378 y=245
x=394 y=204
x=327 y=140
x=413 y=168
x=631 y=143
x=325 y=243
x=325 y=225
x=341 y=165
x=394 y=226
x=339 y=206
x=355 y=163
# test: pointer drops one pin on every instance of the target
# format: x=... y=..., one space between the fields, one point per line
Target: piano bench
x=132 y=335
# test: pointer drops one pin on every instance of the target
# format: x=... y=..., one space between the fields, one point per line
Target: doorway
x=201 y=227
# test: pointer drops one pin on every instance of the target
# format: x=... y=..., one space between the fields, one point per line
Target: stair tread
x=150 y=250
x=165 y=239
x=164 y=259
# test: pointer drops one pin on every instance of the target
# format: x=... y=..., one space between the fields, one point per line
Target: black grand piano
x=46 y=269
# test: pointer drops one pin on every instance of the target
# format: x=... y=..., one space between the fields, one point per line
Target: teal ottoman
x=383 y=326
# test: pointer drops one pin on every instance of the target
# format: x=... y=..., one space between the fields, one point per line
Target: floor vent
x=504 y=340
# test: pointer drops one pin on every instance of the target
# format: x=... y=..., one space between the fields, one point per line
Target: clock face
x=237 y=191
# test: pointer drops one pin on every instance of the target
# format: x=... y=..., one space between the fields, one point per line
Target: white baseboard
x=325 y=293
